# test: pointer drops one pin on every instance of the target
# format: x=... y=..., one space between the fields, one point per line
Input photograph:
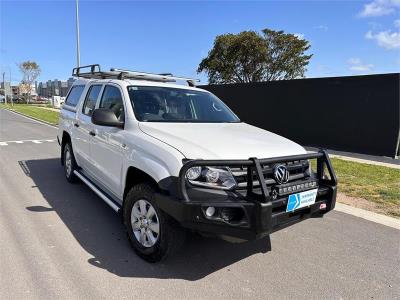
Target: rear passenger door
x=108 y=147
x=68 y=116
x=83 y=127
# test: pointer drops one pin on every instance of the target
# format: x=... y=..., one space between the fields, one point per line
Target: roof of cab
x=129 y=82
x=93 y=73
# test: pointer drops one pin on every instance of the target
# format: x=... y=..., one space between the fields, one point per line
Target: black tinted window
x=90 y=101
x=112 y=99
x=74 y=95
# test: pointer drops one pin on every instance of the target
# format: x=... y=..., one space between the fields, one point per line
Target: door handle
x=92 y=133
x=76 y=124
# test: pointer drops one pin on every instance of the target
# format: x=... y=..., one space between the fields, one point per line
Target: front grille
x=298 y=170
x=300 y=179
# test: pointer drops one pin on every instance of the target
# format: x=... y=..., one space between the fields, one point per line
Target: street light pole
x=4 y=89
x=11 y=99
x=78 y=55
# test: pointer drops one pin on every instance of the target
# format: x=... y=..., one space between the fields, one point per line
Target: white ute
x=172 y=158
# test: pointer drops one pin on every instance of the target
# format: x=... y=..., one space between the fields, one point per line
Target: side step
x=99 y=193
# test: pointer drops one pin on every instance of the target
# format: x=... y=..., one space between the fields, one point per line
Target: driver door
x=108 y=147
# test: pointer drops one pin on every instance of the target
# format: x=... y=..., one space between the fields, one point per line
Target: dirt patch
x=368 y=205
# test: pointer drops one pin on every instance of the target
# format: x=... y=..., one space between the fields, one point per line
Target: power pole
x=4 y=89
x=78 y=54
x=11 y=95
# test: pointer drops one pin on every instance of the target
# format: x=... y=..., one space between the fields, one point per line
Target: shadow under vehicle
x=101 y=233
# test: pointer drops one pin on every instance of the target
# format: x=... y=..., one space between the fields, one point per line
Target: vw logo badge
x=281 y=174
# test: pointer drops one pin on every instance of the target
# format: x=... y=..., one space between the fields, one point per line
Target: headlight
x=211 y=177
x=193 y=173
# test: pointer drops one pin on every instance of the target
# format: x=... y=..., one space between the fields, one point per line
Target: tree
x=30 y=72
x=250 y=57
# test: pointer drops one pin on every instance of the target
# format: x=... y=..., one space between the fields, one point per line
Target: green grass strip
x=35 y=112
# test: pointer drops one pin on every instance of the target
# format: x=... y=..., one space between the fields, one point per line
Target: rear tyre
x=152 y=233
x=70 y=164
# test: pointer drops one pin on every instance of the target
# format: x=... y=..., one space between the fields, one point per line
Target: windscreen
x=162 y=104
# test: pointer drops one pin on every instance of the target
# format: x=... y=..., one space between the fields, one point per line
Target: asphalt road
x=61 y=241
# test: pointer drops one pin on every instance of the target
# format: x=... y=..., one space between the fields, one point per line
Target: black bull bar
x=254 y=166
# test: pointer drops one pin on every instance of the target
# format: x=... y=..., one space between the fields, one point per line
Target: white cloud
x=299 y=35
x=385 y=39
x=378 y=8
x=375 y=25
x=357 y=65
x=321 y=27
x=397 y=23
x=354 y=61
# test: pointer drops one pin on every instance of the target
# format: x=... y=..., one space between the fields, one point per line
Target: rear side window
x=91 y=98
x=112 y=99
x=74 y=95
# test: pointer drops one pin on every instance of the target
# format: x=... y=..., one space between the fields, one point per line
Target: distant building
x=24 y=89
x=54 y=87
x=15 y=90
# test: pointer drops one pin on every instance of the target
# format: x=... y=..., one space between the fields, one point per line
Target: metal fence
x=356 y=114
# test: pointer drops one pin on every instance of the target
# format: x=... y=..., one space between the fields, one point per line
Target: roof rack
x=95 y=72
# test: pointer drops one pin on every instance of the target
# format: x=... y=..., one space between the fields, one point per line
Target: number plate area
x=299 y=200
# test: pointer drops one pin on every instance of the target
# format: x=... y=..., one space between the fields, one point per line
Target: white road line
x=8 y=143
x=34 y=120
x=367 y=215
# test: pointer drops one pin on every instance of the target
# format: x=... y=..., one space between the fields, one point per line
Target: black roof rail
x=76 y=72
x=95 y=72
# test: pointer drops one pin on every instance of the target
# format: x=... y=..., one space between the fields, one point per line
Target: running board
x=97 y=191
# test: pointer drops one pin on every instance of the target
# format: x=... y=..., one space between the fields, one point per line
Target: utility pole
x=11 y=95
x=4 y=89
x=78 y=55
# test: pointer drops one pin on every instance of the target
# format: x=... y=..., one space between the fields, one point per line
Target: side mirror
x=106 y=117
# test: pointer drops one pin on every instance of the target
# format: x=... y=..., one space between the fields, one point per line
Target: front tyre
x=152 y=233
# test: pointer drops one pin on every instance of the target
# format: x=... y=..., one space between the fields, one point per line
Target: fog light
x=210 y=211
x=322 y=206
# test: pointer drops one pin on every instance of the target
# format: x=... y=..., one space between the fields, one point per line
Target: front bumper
x=247 y=214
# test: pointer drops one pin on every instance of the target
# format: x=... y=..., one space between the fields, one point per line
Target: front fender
x=153 y=157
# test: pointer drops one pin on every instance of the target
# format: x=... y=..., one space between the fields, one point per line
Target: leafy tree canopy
x=30 y=72
x=250 y=56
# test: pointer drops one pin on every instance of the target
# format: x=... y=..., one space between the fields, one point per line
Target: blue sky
x=347 y=37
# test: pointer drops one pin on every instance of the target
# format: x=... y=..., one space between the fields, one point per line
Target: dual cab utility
x=172 y=158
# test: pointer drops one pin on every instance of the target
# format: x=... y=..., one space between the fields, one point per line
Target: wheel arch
x=135 y=176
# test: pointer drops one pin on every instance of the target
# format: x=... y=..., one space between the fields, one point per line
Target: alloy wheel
x=68 y=162
x=145 y=223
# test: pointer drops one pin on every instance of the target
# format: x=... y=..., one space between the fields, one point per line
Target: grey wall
x=356 y=114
